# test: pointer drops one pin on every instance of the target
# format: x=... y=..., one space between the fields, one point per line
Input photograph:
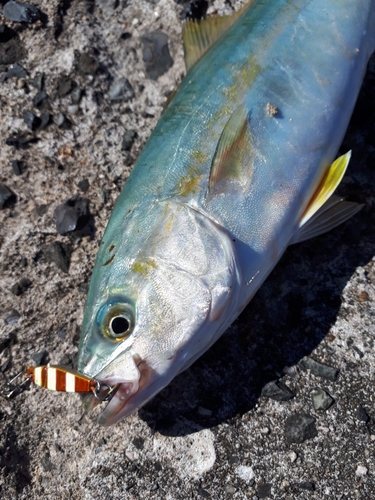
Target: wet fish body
x=238 y=167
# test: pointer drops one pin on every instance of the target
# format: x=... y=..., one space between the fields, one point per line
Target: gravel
x=209 y=434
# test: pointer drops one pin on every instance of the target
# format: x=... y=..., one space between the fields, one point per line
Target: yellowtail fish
x=240 y=165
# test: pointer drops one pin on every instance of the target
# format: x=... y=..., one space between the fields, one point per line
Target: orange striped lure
x=59 y=378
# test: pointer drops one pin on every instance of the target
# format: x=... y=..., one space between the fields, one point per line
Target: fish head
x=161 y=293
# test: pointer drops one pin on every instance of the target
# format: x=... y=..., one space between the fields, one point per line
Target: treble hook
x=10 y=389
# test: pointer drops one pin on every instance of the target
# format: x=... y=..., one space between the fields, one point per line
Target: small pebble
x=83 y=185
x=292 y=455
x=21 y=286
x=319 y=369
x=362 y=415
x=245 y=472
x=12 y=318
x=128 y=140
x=59 y=253
x=307 y=485
x=321 y=399
x=40 y=98
x=156 y=54
x=361 y=471
x=299 y=427
x=21 y=12
x=39 y=357
x=6 y=196
x=31 y=120
x=73 y=109
x=60 y=120
x=38 y=81
x=121 y=90
x=64 y=86
x=76 y=95
x=72 y=215
x=194 y=10
x=15 y=71
x=45 y=119
x=278 y=391
x=87 y=64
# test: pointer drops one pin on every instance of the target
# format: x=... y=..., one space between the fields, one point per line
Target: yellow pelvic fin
x=233 y=159
x=327 y=186
x=200 y=36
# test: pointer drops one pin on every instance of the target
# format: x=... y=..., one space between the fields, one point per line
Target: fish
x=241 y=164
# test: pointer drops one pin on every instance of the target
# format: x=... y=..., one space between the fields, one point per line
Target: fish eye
x=116 y=320
x=119 y=325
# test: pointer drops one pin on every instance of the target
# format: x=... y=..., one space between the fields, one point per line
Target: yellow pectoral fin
x=200 y=36
x=327 y=187
x=326 y=211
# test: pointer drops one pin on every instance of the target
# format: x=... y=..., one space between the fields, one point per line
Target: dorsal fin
x=233 y=158
x=200 y=36
x=327 y=186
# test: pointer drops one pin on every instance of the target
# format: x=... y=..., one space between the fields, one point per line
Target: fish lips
x=133 y=389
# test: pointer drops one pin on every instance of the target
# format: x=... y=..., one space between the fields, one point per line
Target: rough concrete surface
x=210 y=434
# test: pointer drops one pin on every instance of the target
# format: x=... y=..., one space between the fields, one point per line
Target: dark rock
x=20 y=141
x=278 y=391
x=362 y=415
x=64 y=86
x=15 y=71
x=264 y=490
x=39 y=357
x=41 y=210
x=72 y=215
x=61 y=334
x=21 y=286
x=306 y=485
x=128 y=140
x=31 y=120
x=139 y=443
x=59 y=253
x=38 y=81
x=7 y=197
x=11 y=50
x=21 y=12
x=156 y=54
x=299 y=427
x=321 y=399
x=318 y=369
x=45 y=119
x=12 y=317
x=121 y=90
x=83 y=185
x=203 y=493
x=126 y=36
x=87 y=64
x=40 y=98
x=195 y=10
x=76 y=95
x=17 y=167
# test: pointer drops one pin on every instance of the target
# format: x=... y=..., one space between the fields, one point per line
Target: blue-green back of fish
x=238 y=155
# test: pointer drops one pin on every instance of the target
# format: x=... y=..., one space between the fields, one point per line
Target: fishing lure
x=59 y=378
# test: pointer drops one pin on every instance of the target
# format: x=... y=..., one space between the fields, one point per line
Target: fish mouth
x=130 y=392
